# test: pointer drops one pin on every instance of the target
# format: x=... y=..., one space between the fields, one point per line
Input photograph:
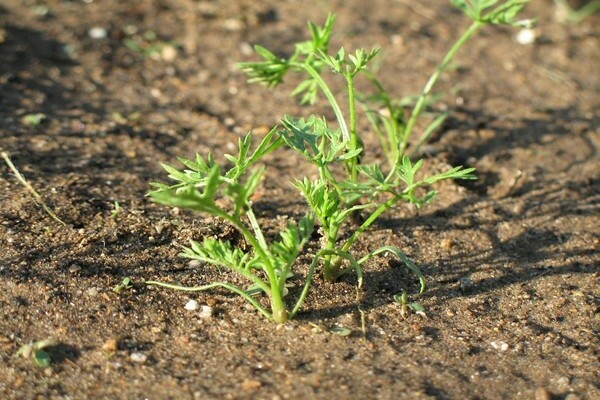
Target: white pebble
x=192 y=305
x=526 y=36
x=97 y=32
x=498 y=345
x=207 y=312
x=138 y=357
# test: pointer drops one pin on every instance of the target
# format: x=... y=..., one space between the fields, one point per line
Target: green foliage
x=496 y=12
x=574 y=16
x=202 y=186
x=124 y=285
x=345 y=186
x=36 y=353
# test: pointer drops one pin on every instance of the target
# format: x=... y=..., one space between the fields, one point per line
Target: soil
x=511 y=260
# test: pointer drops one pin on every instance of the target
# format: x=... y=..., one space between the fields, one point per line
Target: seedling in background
x=116 y=210
x=364 y=188
x=405 y=306
x=124 y=285
x=33 y=119
x=35 y=351
x=575 y=16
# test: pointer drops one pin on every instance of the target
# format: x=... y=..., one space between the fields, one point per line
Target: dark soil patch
x=511 y=259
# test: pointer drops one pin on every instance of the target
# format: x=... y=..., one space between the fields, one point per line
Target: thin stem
x=334 y=272
x=277 y=304
x=328 y=94
x=372 y=218
x=36 y=196
x=354 y=140
x=432 y=81
x=228 y=286
x=257 y=231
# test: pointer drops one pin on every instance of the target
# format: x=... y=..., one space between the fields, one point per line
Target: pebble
x=572 y=396
x=465 y=283
x=74 y=268
x=526 y=36
x=138 y=357
x=563 y=382
x=110 y=346
x=192 y=305
x=195 y=264
x=97 y=32
x=251 y=384
x=168 y=53
x=543 y=394
x=498 y=345
x=92 y=291
x=206 y=312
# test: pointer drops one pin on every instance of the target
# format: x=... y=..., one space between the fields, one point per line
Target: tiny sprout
x=116 y=210
x=405 y=306
x=340 y=331
x=33 y=119
x=125 y=284
x=35 y=352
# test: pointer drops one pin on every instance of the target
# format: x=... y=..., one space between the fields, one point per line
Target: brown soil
x=510 y=259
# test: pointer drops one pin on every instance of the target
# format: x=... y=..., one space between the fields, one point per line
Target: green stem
x=372 y=218
x=228 y=286
x=431 y=83
x=277 y=304
x=354 y=140
x=328 y=94
x=334 y=269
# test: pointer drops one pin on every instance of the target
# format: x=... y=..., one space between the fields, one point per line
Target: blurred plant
x=573 y=15
x=35 y=351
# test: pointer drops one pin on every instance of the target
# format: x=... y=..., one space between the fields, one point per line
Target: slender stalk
x=334 y=269
x=354 y=140
x=278 y=308
x=329 y=95
x=431 y=83
x=36 y=196
x=228 y=286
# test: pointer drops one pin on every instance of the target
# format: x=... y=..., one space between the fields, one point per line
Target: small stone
x=233 y=24
x=206 y=312
x=572 y=396
x=465 y=283
x=139 y=358
x=542 y=394
x=192 y=305
x=526 y=36
x=448 y=244
x=498 y=345
x=74 y=268
x=563 y=382
x=97 y=32
x=168 y=53
x=194 y=264
x=110 y=346
x=92 y=292
x=251 y=384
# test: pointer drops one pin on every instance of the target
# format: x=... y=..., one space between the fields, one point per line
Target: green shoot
x=405 y=306
x=35 y=351
x=574 y=16
x=33 y=119
x=116 y=210
x=124 y=285
x=267 y=266
x=37 y=198
x=365 y=188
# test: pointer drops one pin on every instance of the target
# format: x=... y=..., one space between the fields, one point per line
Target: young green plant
x=204 y=186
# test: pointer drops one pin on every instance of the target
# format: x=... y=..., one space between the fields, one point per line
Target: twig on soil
x=36 y=196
